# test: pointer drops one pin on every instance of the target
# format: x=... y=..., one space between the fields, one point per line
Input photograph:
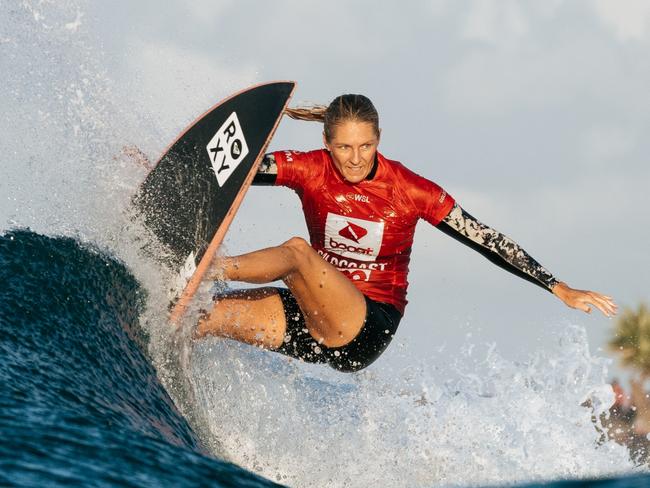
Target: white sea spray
x=495 y=422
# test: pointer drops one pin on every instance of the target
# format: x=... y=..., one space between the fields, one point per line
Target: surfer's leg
x=253 y=316
x=334 y=308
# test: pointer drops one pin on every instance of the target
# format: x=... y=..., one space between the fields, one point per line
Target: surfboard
x=193 y=192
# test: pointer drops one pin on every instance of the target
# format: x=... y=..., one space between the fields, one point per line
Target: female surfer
x=346 y=288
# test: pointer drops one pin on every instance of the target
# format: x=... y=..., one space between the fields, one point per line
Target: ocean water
x=81 y=402
x=96 y=389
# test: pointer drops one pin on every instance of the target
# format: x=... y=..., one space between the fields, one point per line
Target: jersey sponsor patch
x=227 y=148
x=353 y=238
x=353 y=232
x=354 y=270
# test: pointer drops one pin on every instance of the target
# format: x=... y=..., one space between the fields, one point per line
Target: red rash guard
x=365 y=229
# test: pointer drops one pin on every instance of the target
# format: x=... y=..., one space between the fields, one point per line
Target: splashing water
x=495 y=422
x=477 y=421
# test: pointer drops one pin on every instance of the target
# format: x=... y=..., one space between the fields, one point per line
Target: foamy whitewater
x=477 y=420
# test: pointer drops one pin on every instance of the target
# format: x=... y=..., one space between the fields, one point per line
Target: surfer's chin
x=355 y=175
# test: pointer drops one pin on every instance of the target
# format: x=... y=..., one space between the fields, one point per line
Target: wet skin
x=353 y=147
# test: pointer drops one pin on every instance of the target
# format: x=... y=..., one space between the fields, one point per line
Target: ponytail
x=312 y=113
x=345 y=107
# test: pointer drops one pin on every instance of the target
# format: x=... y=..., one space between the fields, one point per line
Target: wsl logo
x=355 y=197
x=227 y=149
x=353 y=238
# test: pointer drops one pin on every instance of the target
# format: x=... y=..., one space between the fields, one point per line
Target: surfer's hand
x=584 y=299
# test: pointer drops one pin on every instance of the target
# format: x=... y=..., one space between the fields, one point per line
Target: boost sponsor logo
x=353 y=232
x=334 y=245
x=353 y=238
x=227 y=149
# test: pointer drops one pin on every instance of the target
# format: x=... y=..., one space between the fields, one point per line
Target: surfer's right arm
x=507 y=254
x=267 y=172
x=290 y=169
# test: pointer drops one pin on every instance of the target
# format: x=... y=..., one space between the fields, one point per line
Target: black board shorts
x=378 y=330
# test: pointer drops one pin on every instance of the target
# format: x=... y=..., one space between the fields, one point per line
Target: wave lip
x=79 y=401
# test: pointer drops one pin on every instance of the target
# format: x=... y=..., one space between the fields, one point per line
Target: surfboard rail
x=193 y=192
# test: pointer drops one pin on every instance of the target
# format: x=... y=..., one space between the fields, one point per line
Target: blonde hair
x=345 y=107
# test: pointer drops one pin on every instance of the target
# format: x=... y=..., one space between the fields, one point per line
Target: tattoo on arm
x=267 y=172
x=496 y=247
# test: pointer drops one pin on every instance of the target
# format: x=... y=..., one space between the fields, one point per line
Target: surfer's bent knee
x=297 y=244
x=299 y=248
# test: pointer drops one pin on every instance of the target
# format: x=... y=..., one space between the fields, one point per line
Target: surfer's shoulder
x=398 y=171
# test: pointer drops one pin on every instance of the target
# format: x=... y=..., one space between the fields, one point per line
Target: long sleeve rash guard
x=366 y=229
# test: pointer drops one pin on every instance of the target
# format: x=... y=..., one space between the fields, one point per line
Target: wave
x=80 y=402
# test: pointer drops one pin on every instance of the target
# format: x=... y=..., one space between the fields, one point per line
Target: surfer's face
x=353 y=147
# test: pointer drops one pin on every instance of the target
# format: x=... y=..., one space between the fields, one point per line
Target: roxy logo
x=227 y=149
x=355 y=197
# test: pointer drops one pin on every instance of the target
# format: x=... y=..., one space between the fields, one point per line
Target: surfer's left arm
x=267 y=173
x=507 y=254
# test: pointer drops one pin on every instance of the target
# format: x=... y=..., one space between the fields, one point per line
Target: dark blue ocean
x=96 y=388
x=80 y=402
